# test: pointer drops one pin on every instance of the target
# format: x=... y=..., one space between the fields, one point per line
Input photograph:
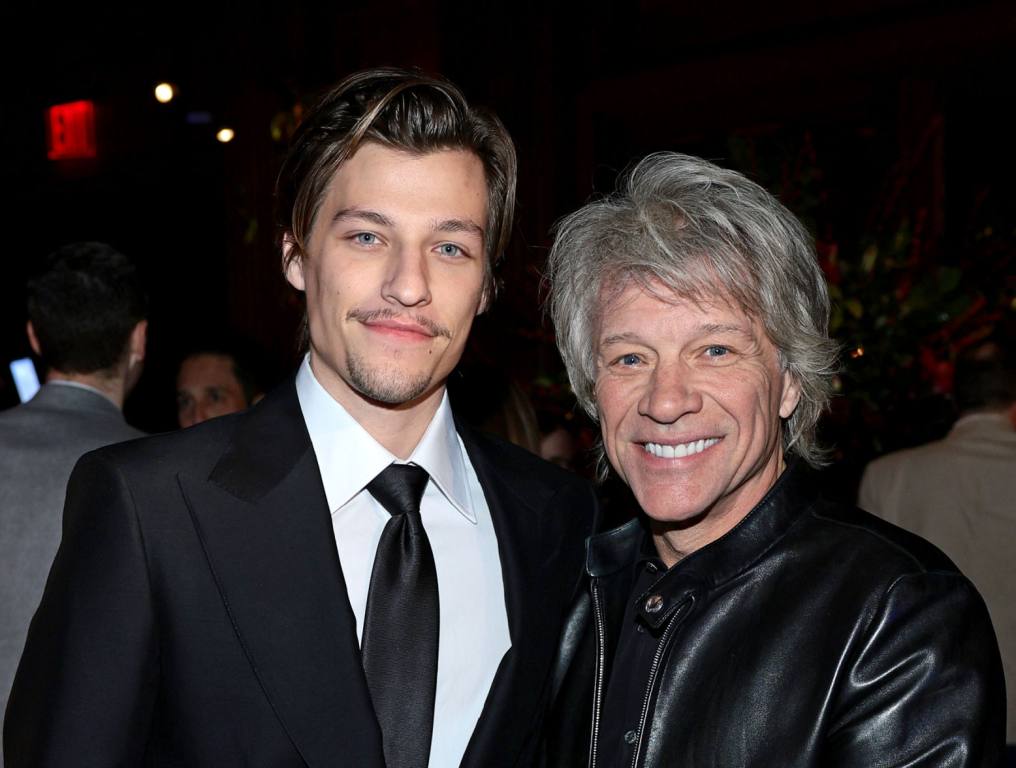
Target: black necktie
x=400 y=626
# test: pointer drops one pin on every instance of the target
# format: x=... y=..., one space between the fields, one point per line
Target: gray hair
x=698 y=230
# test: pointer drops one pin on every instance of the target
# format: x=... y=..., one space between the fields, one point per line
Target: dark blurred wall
x=583 y=89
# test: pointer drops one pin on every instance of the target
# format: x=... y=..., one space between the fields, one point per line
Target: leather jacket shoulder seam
x=915 y=561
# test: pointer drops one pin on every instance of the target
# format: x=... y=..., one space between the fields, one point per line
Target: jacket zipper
x=653 y=671
x=601 y=661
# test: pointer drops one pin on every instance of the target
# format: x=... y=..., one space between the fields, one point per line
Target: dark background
x=882 y=124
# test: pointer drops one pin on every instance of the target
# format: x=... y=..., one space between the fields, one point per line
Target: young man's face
x=691 y=397
x=394 y=273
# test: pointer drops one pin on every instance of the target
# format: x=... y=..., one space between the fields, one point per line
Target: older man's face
x=690 y=397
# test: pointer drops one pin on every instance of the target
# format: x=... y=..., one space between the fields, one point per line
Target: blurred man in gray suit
x=86 y=312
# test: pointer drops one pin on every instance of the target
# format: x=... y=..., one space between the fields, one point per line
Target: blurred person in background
x=489 y=399
x=86 y=323
x=960 y=492
x=214 y=381
x=558 y=446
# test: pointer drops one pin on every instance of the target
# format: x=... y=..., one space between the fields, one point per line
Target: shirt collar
x=441 y=453
x=349 y=458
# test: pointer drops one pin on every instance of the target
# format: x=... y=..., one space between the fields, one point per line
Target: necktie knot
x=399 y=488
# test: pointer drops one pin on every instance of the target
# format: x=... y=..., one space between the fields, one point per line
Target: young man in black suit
x=342 y=575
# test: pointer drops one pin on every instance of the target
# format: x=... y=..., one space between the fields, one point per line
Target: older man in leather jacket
x=742 y=619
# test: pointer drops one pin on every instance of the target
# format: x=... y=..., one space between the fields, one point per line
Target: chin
x=674 y=515
x=666 y=504
x=395 y=392
x=389 y=384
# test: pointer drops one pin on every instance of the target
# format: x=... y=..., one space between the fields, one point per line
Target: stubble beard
x=386 y=385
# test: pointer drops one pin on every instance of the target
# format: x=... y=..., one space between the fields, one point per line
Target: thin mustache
x=369 y=316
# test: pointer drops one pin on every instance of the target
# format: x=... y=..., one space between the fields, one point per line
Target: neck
x=112 y=386
x=398 y=427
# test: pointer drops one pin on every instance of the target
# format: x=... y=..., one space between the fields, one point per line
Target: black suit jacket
x=196 y=613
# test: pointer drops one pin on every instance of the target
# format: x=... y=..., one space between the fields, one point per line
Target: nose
x=407 y=282
x=186 y=417
x=670 y=394
x=201 y=413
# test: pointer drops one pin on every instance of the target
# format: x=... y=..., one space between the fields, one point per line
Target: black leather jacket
x=812 y=634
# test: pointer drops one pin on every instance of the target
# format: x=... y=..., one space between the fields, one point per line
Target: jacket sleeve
x=925 y=689
x=84 y=691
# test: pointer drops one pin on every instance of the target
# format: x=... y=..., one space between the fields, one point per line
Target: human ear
x=137 y=343
x=791 y=395
x=33 y=340
x=292 y=263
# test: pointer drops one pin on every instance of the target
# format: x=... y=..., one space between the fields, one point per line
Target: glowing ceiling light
x=164 y=93
x=225 y=135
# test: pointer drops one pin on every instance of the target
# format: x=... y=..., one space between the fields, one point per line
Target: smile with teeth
x=680 y=451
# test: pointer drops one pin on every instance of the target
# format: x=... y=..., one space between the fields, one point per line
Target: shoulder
x=897 y=584
x=514 y=460
x=170 y=452
x=23 y=415
x=535 y=481
x=45 y=436
x=892 y=464
x=244 y=453
x=896 y=482
x=13 y=422
x=917 y=643
x=12 y=413
x=870 y=545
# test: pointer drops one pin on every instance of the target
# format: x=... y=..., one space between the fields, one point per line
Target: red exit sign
x=70 y=131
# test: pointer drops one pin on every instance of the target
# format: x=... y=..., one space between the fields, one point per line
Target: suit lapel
x=264 y=522
x=537 y=587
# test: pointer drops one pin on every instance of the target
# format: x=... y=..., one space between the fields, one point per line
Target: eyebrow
x=705 y=329
x=379 y=219
x=726 y=328
x=460 y=225
x=359 y=214
x=620 y=338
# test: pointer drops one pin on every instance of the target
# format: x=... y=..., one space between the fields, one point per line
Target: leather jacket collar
x=729 y=555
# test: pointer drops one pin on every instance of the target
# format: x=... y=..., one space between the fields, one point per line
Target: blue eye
x=716 y=350
x=365 y=238
x=629 y=359
x=449 y=249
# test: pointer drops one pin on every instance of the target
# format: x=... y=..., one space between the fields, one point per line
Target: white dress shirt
x=473 y=619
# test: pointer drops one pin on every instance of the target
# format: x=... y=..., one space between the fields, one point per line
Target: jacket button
x=654 y=604
x=630 y=737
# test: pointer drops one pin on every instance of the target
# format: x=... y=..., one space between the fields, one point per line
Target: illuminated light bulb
x=858 y=352
x=164 y=93
x=225 y=135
